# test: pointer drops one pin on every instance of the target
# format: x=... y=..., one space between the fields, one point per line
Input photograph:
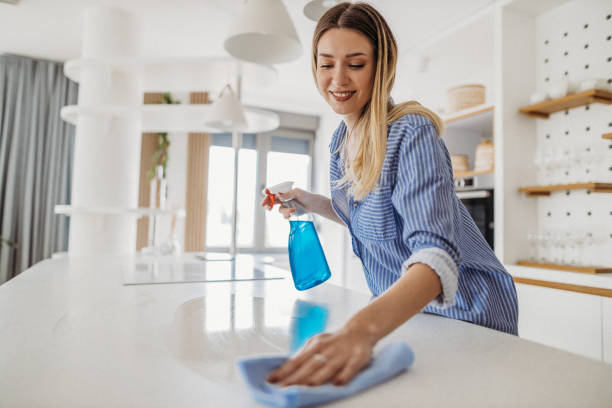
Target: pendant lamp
x=226 y=112
x=263 y=33
x=315 y=9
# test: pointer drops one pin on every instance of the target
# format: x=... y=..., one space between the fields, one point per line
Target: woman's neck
x=350 y=121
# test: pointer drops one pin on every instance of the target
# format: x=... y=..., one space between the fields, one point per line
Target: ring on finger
x=320 y=357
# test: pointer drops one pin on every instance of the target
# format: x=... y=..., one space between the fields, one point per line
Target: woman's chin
x=340 y=109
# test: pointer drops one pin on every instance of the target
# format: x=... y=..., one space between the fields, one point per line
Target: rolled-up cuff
x=444 y=266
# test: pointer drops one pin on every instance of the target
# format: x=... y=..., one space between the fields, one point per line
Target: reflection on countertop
x=213 y=329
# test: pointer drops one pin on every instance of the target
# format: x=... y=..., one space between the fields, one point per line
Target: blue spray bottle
x=306 y=257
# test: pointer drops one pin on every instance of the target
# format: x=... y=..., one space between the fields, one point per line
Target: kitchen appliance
x=476 y=194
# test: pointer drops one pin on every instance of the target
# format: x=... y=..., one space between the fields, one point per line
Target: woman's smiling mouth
x=342 y=96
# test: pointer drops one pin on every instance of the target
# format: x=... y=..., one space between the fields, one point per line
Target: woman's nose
x=340 y=77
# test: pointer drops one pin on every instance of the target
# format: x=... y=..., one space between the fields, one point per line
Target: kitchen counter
x=73 y=335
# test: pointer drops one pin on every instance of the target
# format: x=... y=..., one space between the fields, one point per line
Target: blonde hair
x=363 y=170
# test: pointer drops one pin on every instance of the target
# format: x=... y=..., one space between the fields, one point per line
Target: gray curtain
x=36 y=158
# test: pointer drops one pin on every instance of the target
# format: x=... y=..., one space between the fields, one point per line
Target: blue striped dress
x=413 y=215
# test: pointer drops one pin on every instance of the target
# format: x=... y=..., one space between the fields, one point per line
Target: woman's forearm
x=405 y=298
x=322 y=205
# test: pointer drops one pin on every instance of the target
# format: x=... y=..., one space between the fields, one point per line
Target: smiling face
x=345 y=71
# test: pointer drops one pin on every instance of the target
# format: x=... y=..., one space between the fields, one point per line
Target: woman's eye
x=325 y=66
x=356 y=65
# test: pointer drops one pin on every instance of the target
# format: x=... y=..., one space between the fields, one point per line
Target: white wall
x=465 y=56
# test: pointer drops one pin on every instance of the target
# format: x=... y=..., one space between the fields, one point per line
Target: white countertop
x=72 y=335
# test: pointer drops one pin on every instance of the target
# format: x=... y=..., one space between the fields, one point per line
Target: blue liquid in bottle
x=306 y=257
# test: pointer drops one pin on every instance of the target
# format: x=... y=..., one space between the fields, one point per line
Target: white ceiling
x=51 y=29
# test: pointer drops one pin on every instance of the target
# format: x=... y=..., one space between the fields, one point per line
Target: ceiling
x=51 y=29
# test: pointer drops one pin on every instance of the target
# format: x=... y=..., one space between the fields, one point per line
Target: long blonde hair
x=363 y=170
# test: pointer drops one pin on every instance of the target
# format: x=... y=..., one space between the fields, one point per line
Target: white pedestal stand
x=107 y=147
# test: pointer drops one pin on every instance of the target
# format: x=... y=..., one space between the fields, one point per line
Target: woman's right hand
x=302 y=197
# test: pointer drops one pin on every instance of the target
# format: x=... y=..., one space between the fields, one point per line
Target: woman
x=392 y=186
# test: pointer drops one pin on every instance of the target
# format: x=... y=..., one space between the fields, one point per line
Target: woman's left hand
x=328 y=357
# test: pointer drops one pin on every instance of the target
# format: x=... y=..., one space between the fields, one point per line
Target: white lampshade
x=263 y=33
x=315 y=9
x=226 y=112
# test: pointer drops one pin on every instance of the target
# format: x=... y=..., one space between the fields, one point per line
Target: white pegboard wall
x=574 y=42
x=578 y=225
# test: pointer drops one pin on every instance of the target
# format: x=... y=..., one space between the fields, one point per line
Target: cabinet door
x=567 y=320
x=607 y=329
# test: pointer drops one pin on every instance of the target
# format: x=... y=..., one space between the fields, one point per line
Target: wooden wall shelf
x=544 y=109
x=471 y=173
x=567 y=268
x=467 y=113
x=606 y=136
x=546 y=190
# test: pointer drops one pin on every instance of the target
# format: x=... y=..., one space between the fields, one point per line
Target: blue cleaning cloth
x=390 y=361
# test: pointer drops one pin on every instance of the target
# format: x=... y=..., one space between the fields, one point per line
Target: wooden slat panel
x=589 y=290
x=147 y=150
x=197 y=184
x=152 y=98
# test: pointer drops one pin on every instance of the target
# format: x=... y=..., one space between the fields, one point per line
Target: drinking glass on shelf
x=544 y=247
x=533 y=242
x=572 y=245
x=580 y=244
x=587 y=251
x=556 y=242
x=598 y=255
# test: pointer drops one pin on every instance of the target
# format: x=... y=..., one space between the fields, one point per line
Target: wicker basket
x=465 y=96
x=460 y=162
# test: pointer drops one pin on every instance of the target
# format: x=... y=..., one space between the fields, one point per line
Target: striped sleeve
x=424 y=199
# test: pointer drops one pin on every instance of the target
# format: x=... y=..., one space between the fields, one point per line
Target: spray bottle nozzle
x=279 y=188
x=284 y=188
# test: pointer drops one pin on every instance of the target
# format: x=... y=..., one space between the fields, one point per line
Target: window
x=264 y=159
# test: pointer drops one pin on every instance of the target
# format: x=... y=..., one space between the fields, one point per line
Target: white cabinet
x=567 y=320
x=606 y=319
